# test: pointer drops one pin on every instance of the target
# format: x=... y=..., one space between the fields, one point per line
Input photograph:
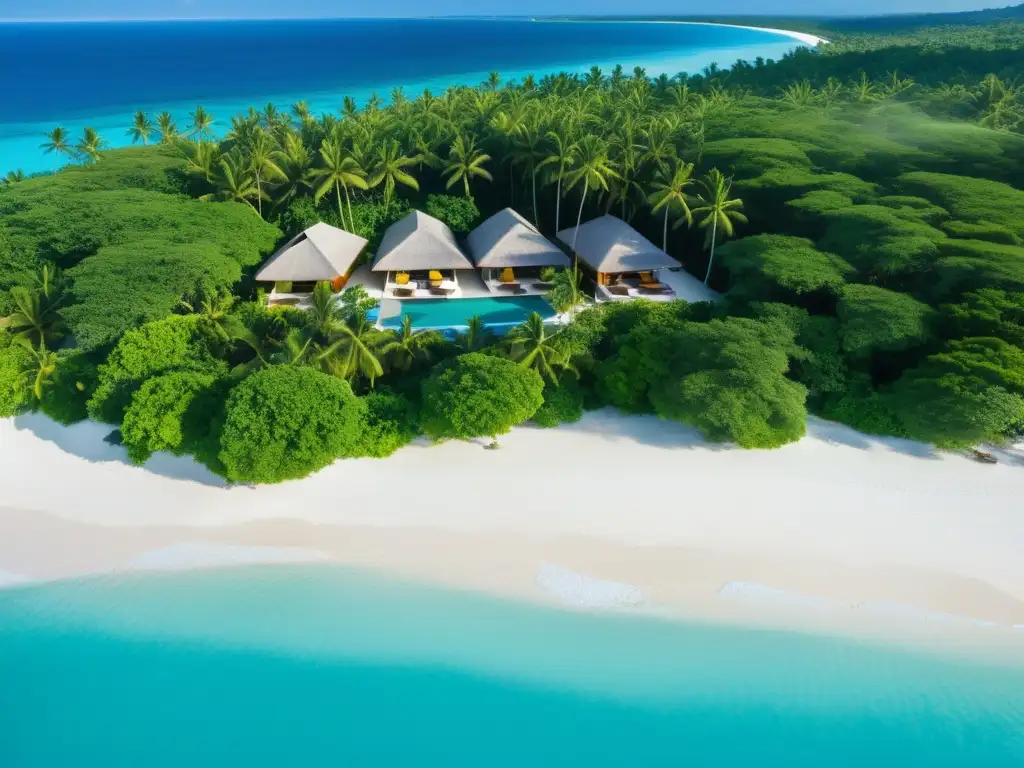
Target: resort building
x=626 y=265
x=420 y=259
x=511 y=254
x=320 y=253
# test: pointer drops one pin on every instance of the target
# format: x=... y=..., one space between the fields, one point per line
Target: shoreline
x=839 y=533
x=804 y=37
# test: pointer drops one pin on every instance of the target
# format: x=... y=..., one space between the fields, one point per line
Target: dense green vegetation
x=859 y=207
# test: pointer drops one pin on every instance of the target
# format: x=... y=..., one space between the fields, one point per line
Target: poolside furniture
x=650 y=283
x=618 y=290
x=436 y=278
x=402 y=278
x=541 y=286
x=403 y=293
x=507 y=276
x=419 y=243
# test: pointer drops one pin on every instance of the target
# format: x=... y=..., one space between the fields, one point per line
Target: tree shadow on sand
x=644 y=429
x=86 y=441
x=840 y=434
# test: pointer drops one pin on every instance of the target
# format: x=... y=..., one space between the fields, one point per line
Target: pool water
x=497 y=313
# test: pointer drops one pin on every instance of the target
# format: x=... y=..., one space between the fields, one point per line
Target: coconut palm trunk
x=351 y=220
x=558 y=201
x=664 y=233
x=536 y=216
x=579 y=220
x=714 y=237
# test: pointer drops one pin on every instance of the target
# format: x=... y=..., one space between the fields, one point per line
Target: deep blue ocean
x=321 y=666
x=98 y=74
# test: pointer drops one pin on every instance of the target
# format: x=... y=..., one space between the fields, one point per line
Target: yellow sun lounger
x=435 y=279
x=402 y=278
x=507 y=276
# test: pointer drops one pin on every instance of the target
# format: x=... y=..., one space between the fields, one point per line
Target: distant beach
x=840 y=532
x=225 y=68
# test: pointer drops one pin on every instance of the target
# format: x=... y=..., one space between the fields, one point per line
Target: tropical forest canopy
x=860 y=208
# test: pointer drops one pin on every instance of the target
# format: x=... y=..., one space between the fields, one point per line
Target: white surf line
x=582 y=591
x=12 y=579
x=803 y=37
x=196 y=555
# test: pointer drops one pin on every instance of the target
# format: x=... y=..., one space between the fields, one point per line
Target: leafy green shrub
x=862 y=408
x=562 y=404
x=14 y=392
x=727 y=378
x=66 y=399
x=373 y=218
x=390 y=423
x=176 y=343
x=173 y=412
x=478 y=395
x=874 y=319
x=775 y=266
x=284 y=422
x=972 y=392
x=458 y=212
x=988 y=312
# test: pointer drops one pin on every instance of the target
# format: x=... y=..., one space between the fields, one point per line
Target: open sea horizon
x=98 y=74
x=323 y=665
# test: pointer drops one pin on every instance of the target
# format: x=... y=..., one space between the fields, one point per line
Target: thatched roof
x=322 y=252
x=419 y=242
x=506 y=239
x=610 y=245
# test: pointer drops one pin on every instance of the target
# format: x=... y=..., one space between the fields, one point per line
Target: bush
x=562 y=404
x=173 y=412
x=873 y=320
x=777 y=266
x=478 y=395
x=390 y=423
x=284 y=422
x=176 y=343
x=74 y=382
x=14 y=392
x=460 y=213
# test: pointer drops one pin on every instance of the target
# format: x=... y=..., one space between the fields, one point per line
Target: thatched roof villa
x=320 y=253
x=510 y=253
x=420 y=259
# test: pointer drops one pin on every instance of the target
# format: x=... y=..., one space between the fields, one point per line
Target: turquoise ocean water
x=321 y=666
x=98 y=74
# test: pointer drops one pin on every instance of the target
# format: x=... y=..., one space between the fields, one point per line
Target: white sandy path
x=836 y=495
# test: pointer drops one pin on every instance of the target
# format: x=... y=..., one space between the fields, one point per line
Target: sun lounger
x=402 y=278
x=543 y=286
x=437 y=290
x=617 y=290
x=403 y=293
x=436 y=278
x=509 y=287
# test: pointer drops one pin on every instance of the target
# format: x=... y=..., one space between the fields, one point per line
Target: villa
x=420 y=259
x=320 y=253
x=510 y=254
x=626 y=265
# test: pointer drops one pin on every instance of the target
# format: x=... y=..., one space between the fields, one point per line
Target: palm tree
x=234 y=182
x=561 y=155
x=530 y=345
x=864 y=91
x=527 y=150
x=594 y=169
x=717 y=212
x=261 y=159
x=465 y=161
x=324 y=312
x=389 y=166
x=408 y=346
x=203 y=160
x=352 y=354
x=13 y=177
x=301 y=111
x=56 y=144
x=167 y=128
x=341 y=170
x=35 y=316
x=295 y=348
x=669 y=193
x=800 y=94
x=212 y=305
x=202 y=122
x=39 y=369
x=89 y=145
x=296 y=164
x=476 y=336
x=566 y=291
x=141 y=128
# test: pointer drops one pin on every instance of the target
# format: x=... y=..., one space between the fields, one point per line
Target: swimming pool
x=497 y=313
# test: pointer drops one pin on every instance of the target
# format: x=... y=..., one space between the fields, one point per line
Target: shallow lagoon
x=319 y=665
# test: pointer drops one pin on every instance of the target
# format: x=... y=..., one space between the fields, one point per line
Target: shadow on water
x=86 y=440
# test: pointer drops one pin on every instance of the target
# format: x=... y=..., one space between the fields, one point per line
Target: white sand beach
x=840 y=531
x=804 y=37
